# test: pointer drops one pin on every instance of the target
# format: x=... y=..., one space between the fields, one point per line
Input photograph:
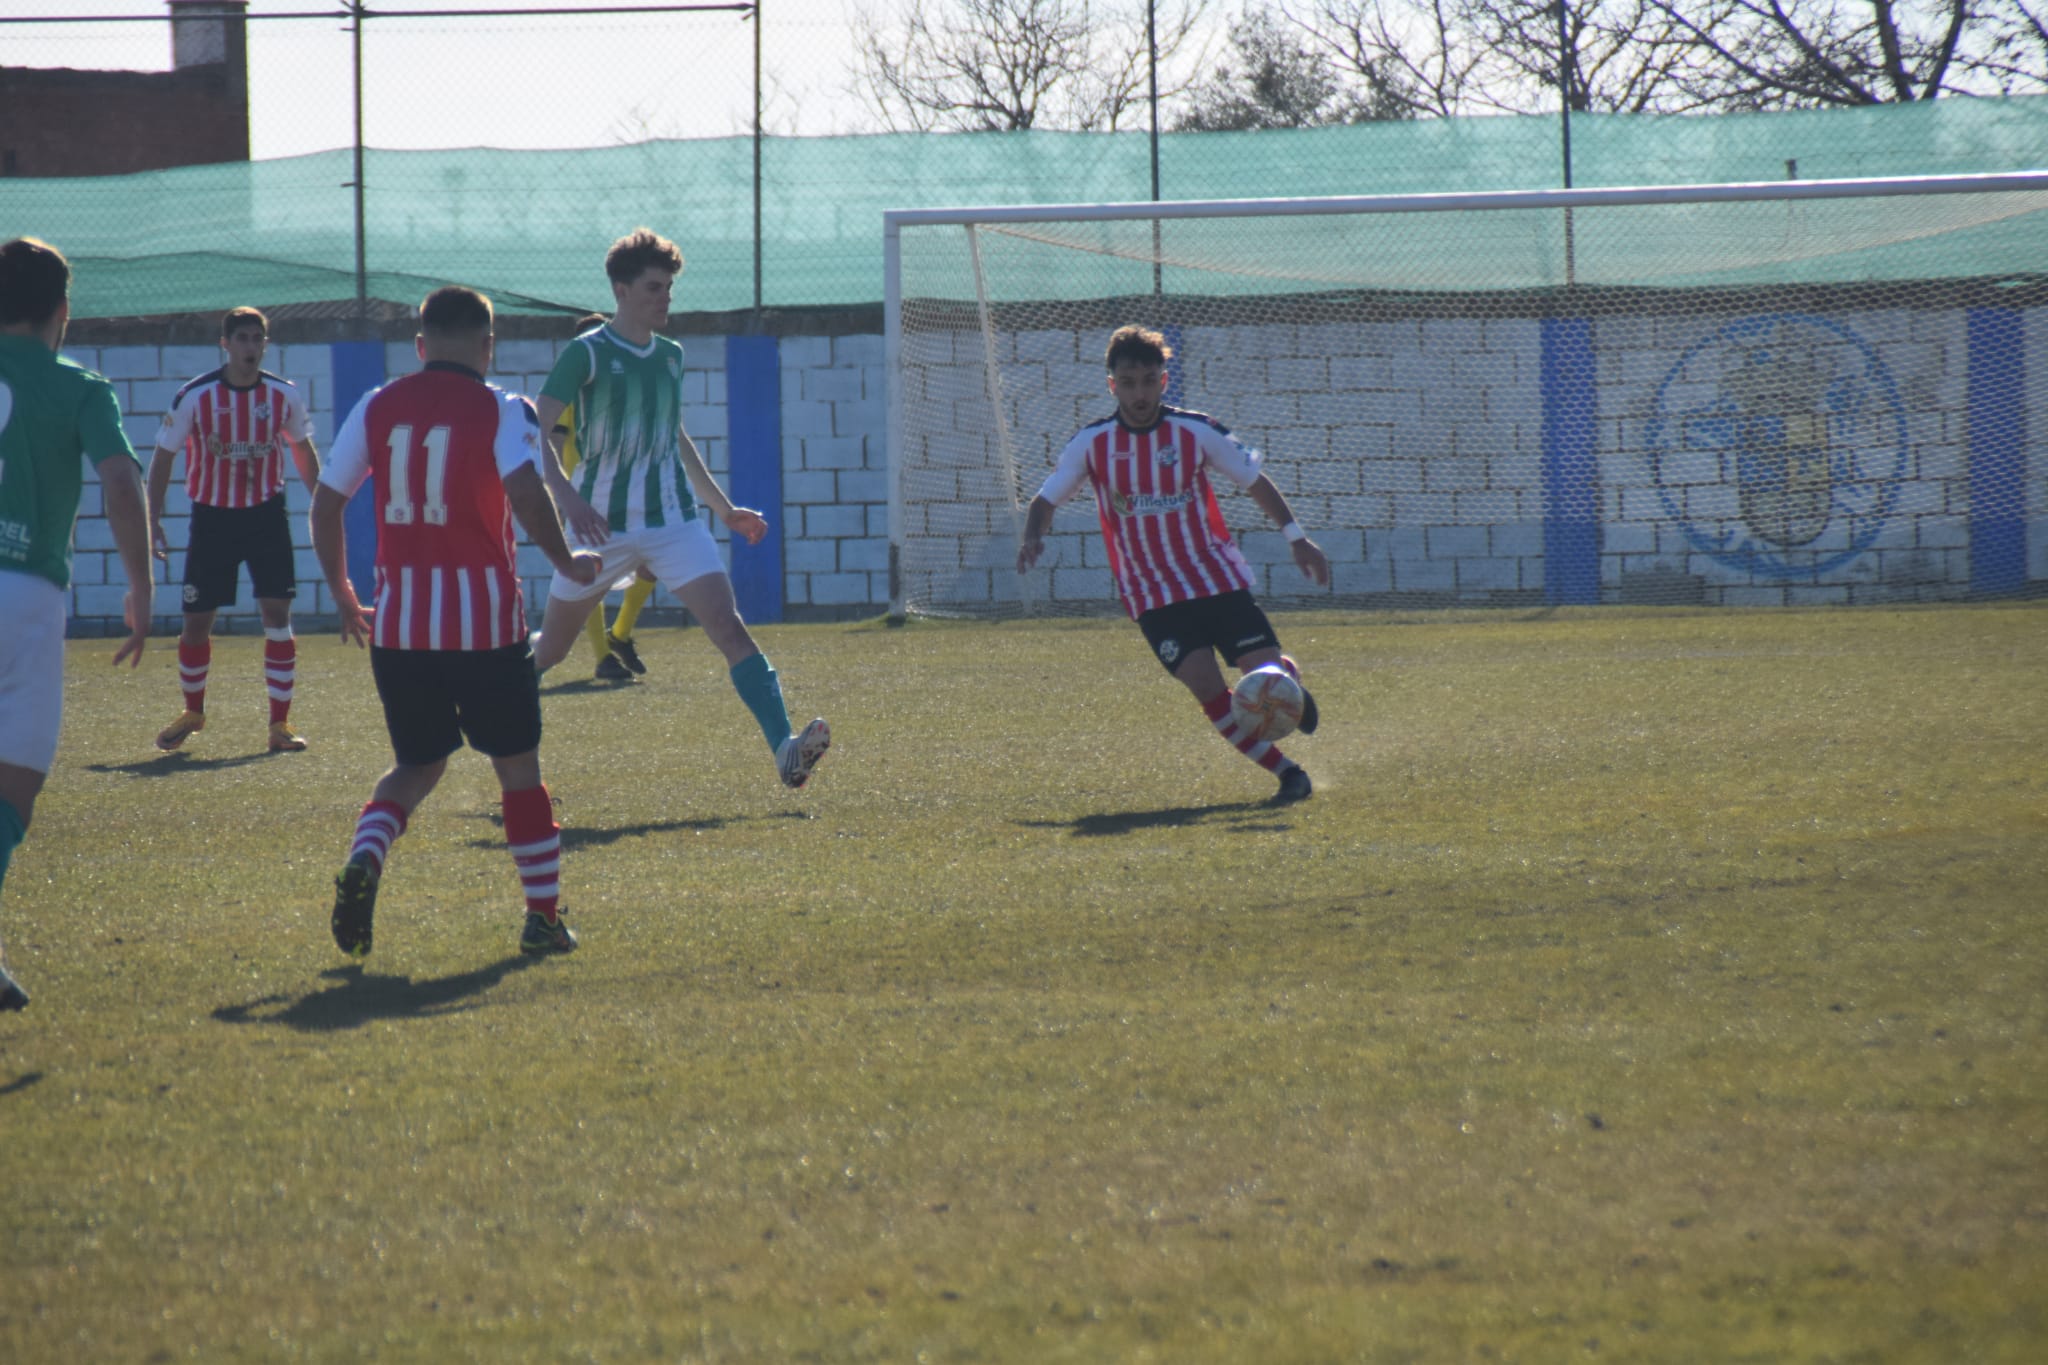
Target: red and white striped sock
x=377 y=828
x=193 y=663
x=1262 y=752
x=536 y=844
x=280 y=669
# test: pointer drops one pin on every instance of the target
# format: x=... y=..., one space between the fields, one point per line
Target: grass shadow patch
x=21 y=1082
x=170 y=765
x=581 y=836
x=357 y=998
x=1234 y=815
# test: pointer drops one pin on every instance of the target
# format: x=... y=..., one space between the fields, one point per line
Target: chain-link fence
x=664 y=115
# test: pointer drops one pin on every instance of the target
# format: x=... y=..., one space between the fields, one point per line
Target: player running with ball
x=455 y=459
x=1180 y=575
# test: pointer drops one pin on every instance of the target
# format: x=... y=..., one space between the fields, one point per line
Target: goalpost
x=1792 y=393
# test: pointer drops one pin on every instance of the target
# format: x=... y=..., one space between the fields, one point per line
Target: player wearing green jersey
x=632 y=499
x=53 y=415
x=618 y=658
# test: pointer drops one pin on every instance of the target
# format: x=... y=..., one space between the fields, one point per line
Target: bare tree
x=1419 y=54
x=1273 y=77
x=1445 y=57
x=1005 y=65
x=1764 y=54
x=1672 y=56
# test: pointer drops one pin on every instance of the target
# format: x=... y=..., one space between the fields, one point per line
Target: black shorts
x=222 y=539
x=435 y=698
x=1230 y=623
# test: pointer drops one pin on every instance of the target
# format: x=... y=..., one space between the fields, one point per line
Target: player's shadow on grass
x=579 y=836
x=1231 y=815
x=572 y=686
x=169 y=765
x=357 y=998
x=20 y=1083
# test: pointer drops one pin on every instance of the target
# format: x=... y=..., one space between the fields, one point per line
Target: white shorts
x=31 y=670
x=675 y=555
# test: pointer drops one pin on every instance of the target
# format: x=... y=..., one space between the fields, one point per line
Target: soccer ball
x=1266 y=703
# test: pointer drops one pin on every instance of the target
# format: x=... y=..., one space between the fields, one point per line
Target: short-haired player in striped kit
x=632 y=495
x=612 y=647
x=455 y=460
x=234 y=425
x=1179 y=573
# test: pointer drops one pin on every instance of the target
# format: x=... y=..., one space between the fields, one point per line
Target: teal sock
x=754 y=679
x=12 y=830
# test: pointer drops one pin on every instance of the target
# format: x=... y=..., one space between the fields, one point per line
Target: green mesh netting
x=530 y=228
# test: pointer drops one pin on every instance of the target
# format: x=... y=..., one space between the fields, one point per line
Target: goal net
x=1797 y=393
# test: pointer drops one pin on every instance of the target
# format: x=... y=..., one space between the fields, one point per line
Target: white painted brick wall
x=1412 y=486
x=1425 y=439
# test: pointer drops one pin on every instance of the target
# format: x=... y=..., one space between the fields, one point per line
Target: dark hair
x=235 y=319
x=35 y=279
x=1141 y=345
x=455 y=308
x=637 y=251
x=585 y=323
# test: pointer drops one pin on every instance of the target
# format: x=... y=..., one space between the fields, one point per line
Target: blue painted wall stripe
x=753 y=396
x=356 y=367
x=1571 y=473
x=1998 y=443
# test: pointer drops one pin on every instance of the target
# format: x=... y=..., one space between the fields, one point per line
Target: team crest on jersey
x=1167 y=455
x=260 y=411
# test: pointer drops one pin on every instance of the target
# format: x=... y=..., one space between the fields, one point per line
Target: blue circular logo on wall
x=1778 y=444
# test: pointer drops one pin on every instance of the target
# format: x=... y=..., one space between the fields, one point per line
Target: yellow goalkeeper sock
x=629 y=609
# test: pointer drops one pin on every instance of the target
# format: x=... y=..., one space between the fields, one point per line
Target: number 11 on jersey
x=398 y=507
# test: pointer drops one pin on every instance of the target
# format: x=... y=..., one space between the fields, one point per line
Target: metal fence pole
x=362 y=227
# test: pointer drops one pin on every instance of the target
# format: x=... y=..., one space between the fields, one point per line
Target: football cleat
x=187 y=724
x=624 y=652
x=12 y=996
x=543 y=936
x=285 y=740
x=800 y=753
x=355 y=902
x=1310 y=716
x=1294 y=786
x=609 y=669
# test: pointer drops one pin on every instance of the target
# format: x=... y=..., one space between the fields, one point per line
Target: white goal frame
x=895 y=221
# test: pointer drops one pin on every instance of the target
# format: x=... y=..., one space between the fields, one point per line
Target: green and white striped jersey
x=628 y=403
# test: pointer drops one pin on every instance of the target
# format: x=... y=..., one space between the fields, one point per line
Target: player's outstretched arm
x=330 y=545
x=1036 y=522
x=568 y=506
x=308 y=461
x=743 y=522
x=527 y=492
x=159 y=488
x=1308 y=556
x=127 y=509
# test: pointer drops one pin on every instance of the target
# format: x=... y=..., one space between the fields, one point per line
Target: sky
x=526 y=81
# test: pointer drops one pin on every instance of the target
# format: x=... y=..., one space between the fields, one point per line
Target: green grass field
x=1655 y=987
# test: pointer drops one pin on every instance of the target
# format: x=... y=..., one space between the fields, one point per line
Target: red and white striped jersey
x=1165 y=534
x=235 y=440
x=439 y=444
